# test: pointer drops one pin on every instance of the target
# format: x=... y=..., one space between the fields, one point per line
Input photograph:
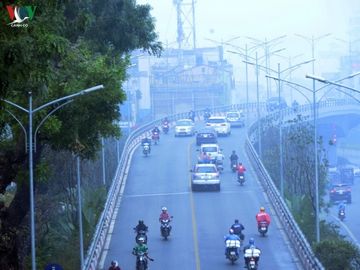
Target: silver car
x=184 y=127
x=205 y=176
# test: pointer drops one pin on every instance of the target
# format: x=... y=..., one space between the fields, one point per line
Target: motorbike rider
x=250 y=250
x=237 y=227
x=141 y=247
x=234 y=157
x=341 y=207
x=232 y=237
x=148 y=141
x=207 y=113
x=262 y=216
x=192 y=115
x=165 y=121
x=164 y=215
x=141 y=227
x=155 y=129
x=240 y=169
x=114 y=266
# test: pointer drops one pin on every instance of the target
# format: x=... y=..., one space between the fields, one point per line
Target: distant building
x=184 y=80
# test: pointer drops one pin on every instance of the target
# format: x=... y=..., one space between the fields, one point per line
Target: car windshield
x=216 y=121
x=210 y=149
x=233 y=115
x=206 y=169
x=183 y=123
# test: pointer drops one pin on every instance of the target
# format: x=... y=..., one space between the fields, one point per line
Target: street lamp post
x=32 y=139
x=280 y=114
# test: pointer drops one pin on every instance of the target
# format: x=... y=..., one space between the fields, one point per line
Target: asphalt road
x=201 y=219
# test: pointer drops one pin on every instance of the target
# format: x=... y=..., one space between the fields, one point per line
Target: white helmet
x=164 y=209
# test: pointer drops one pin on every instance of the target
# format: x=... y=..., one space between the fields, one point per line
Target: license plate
x=232 y=253
x=263 y=228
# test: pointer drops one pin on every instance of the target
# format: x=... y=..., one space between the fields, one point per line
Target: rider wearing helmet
x=240 y=168
x=141 y=248
x=262 y=216
x=155 y=129
x=232 y=238
x=141 y=227
x=237 y=227
x=164 y=215
x=251 y=251
x=234 y=156
x=114 y=266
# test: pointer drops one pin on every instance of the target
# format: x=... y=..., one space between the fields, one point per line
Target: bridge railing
x=303 y=248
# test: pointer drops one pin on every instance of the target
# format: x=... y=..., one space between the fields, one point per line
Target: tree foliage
x=67 y=47
x=338 y=255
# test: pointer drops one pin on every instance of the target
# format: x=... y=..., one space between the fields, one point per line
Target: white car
x=205 y=175
x=184 y=127
x=236 y=119
x=220 y=124
x=211 y=149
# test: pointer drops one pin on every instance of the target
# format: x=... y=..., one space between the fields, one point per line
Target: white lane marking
x=156 y=194
x=352 y=236
x=187 y=192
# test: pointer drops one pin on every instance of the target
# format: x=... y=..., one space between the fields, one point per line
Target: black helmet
x=141 y=222
x=236 y=221
x=114 y=263
x=233 y=151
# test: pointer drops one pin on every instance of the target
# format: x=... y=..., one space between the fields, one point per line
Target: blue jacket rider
x=231 y=236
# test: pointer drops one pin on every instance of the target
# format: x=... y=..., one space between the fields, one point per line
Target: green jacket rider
x=140 y=248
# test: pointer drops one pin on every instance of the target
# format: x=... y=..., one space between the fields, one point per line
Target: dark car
x=273 y=104
x=206 y=135
x=340 y=192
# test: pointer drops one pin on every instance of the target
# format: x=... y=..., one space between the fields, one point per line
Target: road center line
x=193 y=216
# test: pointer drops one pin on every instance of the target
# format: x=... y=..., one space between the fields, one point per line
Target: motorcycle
x=165 y=228
x=155 y=137
x=141 y=235
x=233 y=255
x=233 y=165
x=341 y=215
x=141 y=261
x=263 y=228
x=165 y=128
x=252 y=256
x=146 y=149
x=219 y=164
x=241 y=178
x=252 y=264
x=232 y=250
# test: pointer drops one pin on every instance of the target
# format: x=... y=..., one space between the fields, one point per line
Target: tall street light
x=314 y=91
x=279 y=72
x=32 y=139
x=246 y=56
x=267 y=45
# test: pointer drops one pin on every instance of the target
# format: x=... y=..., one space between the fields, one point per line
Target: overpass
x=198 y=217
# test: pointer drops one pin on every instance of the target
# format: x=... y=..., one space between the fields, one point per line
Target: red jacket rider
x=164 y=215
x=263 y=216
x=240 y=168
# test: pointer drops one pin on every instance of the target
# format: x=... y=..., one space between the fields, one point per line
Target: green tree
x=338 y=255
x=68 y=46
